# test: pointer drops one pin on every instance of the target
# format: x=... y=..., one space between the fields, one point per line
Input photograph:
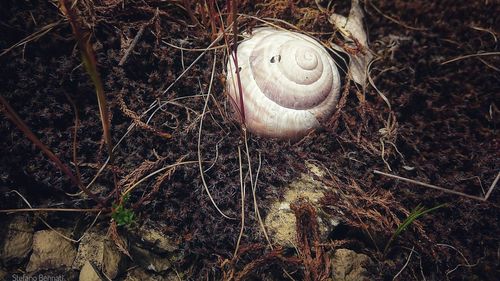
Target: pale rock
x=89 y=273
x=139 y=274
x=153 y=250
x=114 y=261
x=281 y=222
x=17 y=241
x=90 y=249
x=348 y=265
x=156 y=240
x=149 y=260
x=51 y=251
x=97 y=248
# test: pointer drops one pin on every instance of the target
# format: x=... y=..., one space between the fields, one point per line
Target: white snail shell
x=289 y=83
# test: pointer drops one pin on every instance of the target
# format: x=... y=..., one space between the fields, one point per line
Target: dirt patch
x=441 y=128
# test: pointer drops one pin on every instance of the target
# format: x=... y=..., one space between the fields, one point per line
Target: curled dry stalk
x=199 y=140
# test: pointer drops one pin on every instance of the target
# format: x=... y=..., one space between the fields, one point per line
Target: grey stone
x=89 y=273
x=149 y=260
x=114 y=261
x=18 y=240
x=91 y=248
x=153 y=250
x=156 y=240
x=96 y=248
x=139 y=274
x=348 y=265
x=51 y=251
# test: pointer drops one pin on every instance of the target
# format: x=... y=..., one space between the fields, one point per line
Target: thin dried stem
x=485 y=198
x=49 y=210
x=199 y=140
x=471 y=56
x=242 y=192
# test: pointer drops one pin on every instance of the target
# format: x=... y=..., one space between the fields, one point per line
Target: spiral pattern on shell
x=289 y=83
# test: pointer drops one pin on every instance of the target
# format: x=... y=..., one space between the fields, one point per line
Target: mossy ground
x=443 y=122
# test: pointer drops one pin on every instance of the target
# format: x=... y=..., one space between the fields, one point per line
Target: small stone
x=156 y=240
x=17 y=241
x=152 y=249
x=281 y=221
x=113 y=260
x=91 y=249
x=348 y=265
x=88 y=273
x=96 y=248
x=149 y=260
x=50 y=251
x=139 y=274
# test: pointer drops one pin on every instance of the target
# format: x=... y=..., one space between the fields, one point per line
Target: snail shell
x=289 y=82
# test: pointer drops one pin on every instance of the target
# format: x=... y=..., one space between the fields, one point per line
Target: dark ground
x=445 y=128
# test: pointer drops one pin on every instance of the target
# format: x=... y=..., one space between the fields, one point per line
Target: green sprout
x=122 y=215
x=414 y=215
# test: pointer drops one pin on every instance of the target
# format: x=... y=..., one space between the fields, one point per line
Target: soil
x=441 y=128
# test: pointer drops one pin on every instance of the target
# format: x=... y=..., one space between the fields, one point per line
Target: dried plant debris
x=356 y=42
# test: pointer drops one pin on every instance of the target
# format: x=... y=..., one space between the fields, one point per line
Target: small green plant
x=121 y=215
x=414 y=215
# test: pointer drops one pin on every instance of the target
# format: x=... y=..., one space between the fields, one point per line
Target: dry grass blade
x=471 y=56
x=255 y=205
x=32 y=37
x=137 y=119
x=405 y=265
x=234 y=55
x=75 y=134
x=132 y=187
x=89 y=61
x=187 y=6
x=395 y=20
x=242 y=191
x=53 y=229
